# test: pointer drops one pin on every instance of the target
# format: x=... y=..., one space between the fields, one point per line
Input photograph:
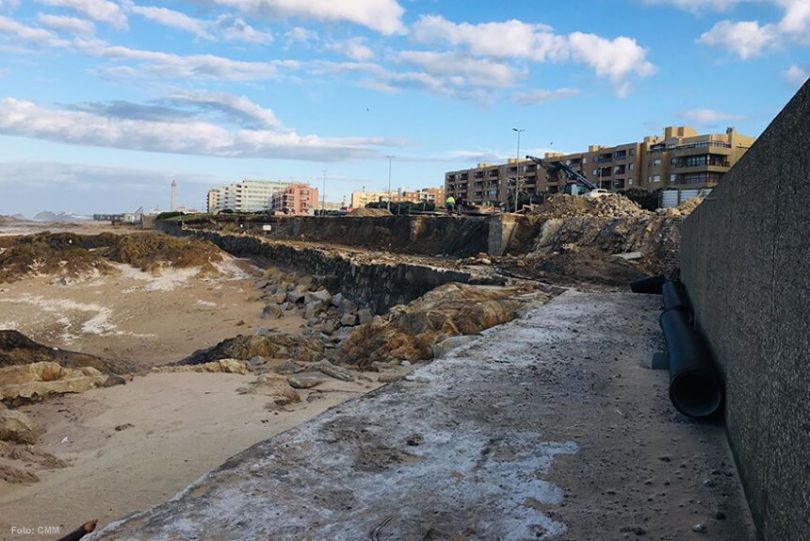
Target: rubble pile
x=71 y=255
x=574 y=238
x=408 y=333
x=568 y=206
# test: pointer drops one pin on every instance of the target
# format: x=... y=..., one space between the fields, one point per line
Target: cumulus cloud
x=383 y=16
x=746 y=39
x=170 y=18
x=709 y=117
x=193 y=136
x=796 y=75
x=698 y=5
x=468 y=70
x=537 y=97
x=237 y=29
x=72 y=25
x=354 y=48
x=29 y=33
x=616 y=59
x=103 y=11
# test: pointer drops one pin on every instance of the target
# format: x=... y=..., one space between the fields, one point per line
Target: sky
x=104 y=102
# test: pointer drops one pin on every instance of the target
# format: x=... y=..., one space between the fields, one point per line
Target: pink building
x=297 y=199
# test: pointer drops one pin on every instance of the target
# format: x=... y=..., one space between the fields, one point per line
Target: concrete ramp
x=547 y=427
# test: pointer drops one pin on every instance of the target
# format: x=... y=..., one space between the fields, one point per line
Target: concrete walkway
x=545 y=428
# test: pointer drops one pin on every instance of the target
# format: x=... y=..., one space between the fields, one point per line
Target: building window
x=656 y=178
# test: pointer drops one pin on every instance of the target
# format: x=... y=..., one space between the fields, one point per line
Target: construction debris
x=409 y=332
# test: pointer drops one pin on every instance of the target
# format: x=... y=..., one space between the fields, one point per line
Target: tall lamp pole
x=517 y=165
x=389 y=181
x=323 y=195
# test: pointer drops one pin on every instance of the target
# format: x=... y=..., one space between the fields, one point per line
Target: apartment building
x=678 y=158
x=244 y=196
x=425 y=195
x=297 y=199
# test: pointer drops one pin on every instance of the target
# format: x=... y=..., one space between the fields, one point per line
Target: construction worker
x=450 y=204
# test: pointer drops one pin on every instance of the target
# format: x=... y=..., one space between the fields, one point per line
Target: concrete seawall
x=451 y=236
x=375 y=285
x=745 y=260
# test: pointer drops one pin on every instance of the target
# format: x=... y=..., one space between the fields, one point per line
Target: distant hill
x=60 y=217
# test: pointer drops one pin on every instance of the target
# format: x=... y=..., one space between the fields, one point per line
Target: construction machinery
x=574 y=177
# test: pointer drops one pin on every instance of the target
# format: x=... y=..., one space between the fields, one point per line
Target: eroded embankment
x=375 y=281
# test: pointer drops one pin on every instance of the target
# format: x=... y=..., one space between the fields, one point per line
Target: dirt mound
x=567 y=206
x=17 y=349
x=72 y=255
x=577 y=265
x=366 y=212
x=452 y=309
x=656 y=237
x=272 y=346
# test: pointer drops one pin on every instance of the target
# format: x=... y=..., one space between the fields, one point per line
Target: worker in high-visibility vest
x=450 y=204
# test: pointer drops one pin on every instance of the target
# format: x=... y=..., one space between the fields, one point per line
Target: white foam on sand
x=98 y=324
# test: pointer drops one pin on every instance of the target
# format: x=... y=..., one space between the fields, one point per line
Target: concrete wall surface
x=745 y=260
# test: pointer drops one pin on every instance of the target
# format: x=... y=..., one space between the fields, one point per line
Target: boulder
x=304 y=382
x=295 y=296
x=364 y=315
x=320 y=295
x=328 y=327
x=271 y=311
x=337 y=300
x=279 y=298
x=348 y=320
x=274 y=386
x=38 y=380
x=313 y=308
x=17 y=427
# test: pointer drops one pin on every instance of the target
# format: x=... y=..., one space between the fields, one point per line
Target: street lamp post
x=389 y=181
x=517 y=165
x=323 y=195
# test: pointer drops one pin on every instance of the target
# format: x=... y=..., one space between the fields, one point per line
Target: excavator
x=574 y=177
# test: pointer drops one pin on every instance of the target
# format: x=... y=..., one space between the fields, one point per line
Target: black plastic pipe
x=675 y=297
x=694 y=386
x=651 y=285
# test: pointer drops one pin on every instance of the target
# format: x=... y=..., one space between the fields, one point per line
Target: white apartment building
x=244 y=196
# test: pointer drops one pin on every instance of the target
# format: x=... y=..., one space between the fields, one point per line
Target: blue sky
x=103 y=102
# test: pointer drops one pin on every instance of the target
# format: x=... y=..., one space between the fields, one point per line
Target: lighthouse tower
x=174 y=195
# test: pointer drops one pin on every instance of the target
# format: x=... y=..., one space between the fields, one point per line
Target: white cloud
x=9 y=4
x=186 y=66
x=698 y=5
x=536 y=97
x=746 y=39
x=299 y=35
x=236 y=29
x=239 y=107
x=27 y=119
x=615 y=59
x=170 y=18
x=796 y=75
x=383 y=16
x=67 y=24
x=709 y=117
x=98 y=10
x=354 y=48
x=29 y=33
x=797 y=17
x=472 y=71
